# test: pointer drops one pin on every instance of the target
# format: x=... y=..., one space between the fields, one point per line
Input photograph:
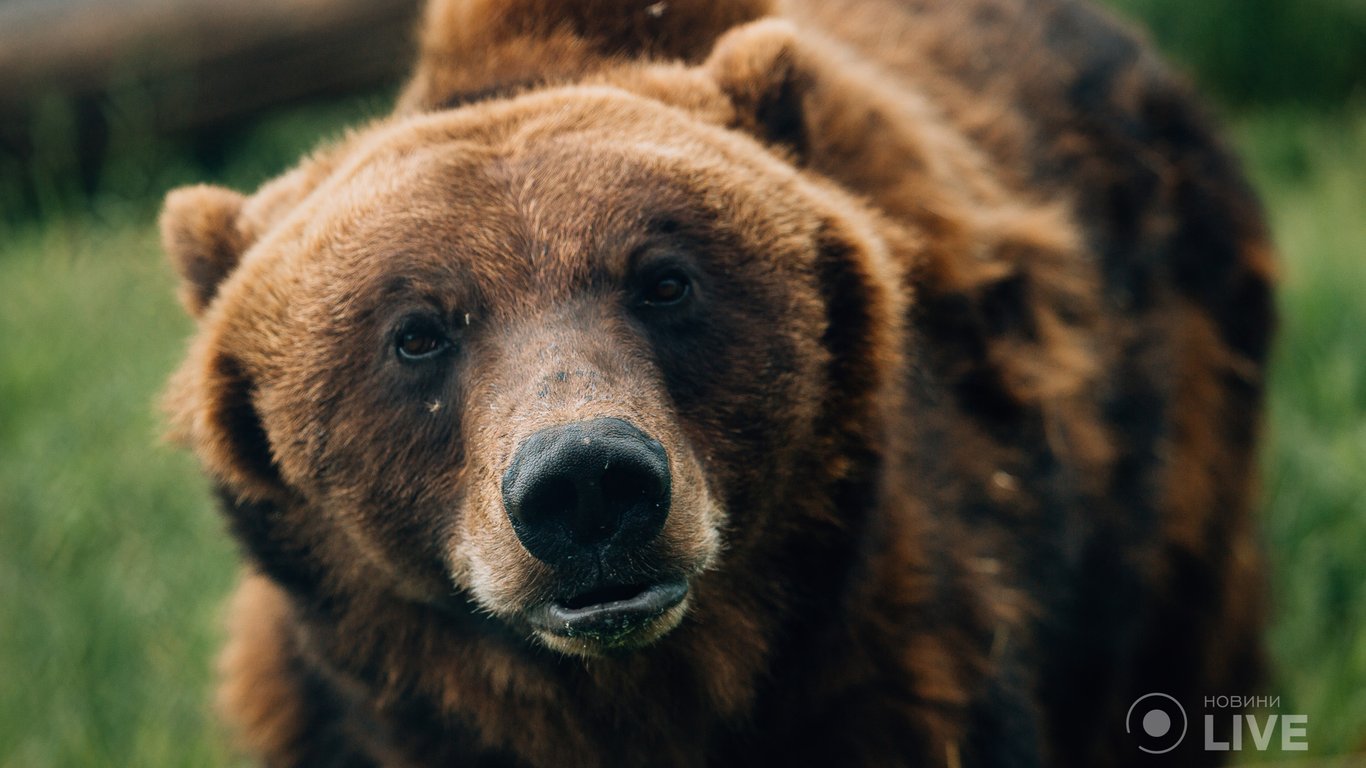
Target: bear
x=707 y=383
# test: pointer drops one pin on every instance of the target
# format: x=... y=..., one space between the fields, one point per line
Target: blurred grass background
x=113 y=563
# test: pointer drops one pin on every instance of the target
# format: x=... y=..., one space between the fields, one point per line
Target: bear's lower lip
x=608 y=615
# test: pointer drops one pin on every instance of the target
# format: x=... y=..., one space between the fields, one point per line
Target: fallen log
x=195 y=63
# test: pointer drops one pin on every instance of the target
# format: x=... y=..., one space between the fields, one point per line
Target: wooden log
x=198 y=62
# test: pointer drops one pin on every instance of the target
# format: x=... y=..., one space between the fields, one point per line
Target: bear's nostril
x=555 y=499
x=582 y=489
x=625 y=486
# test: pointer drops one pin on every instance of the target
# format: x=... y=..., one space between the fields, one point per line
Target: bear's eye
x=420 y=339
x=668 y=289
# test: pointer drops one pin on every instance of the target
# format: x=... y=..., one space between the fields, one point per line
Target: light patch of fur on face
x=501 y=574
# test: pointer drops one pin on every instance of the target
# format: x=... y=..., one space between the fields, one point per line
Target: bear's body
x=937 y=329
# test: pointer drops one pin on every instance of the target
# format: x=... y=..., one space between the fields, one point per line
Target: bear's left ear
x=202 y=235
x=770 y=77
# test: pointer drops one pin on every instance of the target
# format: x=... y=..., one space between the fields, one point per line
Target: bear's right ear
x=804 y=96
x=769 y=77
x=202 y=234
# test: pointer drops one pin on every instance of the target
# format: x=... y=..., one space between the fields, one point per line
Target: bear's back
x=1069 y=105
x=1068 y=101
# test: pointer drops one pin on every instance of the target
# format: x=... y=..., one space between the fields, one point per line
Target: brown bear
x=683 y=383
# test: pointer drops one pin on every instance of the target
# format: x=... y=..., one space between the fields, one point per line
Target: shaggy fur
x=961 y=412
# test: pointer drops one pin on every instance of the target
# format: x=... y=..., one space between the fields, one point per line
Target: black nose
x=585 y=489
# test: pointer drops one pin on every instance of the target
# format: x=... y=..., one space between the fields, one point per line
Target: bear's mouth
x=610 y=614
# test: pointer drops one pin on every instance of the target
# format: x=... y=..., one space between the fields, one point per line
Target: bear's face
x=558 y=356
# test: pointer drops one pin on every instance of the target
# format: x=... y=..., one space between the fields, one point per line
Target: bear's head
x=558 y=356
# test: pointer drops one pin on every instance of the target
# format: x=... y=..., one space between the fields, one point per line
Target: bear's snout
x=587 y=494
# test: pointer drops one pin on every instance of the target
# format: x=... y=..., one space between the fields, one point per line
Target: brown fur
x=961 y=418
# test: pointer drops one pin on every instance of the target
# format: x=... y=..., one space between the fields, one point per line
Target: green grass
x=111 y=561
x=113 y=565
x=1305 y=52
x=1313 y=178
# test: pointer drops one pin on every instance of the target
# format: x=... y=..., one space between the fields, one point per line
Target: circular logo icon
x=1157 y=722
